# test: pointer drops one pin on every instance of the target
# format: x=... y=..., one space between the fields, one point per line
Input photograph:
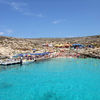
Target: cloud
x=18 y=6
x=21 y=7
x=14 y=5
x=7 y=31
x=1 y=33
x=58 y=21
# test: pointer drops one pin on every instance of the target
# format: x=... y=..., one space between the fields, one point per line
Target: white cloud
x=18 y=6
x=56 y=21
x=15 y=5
x=1 y=33
x=6 y=31
x=21 y=7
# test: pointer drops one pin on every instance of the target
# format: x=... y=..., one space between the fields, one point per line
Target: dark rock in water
x=51 y=96
x=5 y=85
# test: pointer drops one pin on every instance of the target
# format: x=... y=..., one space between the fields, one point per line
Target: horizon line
x=48 y=37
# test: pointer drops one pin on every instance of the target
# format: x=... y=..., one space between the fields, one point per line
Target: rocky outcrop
x=93 y=53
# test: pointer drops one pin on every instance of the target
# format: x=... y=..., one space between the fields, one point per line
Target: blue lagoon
x=55 y=79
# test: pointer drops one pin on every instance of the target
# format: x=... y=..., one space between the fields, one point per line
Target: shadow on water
x=3 y=68
x=5 y=85
x=49 y=96
x=41 y=61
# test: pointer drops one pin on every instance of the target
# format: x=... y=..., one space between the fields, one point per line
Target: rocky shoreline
x=90 y=56
x=10 y=46
x=91 y=53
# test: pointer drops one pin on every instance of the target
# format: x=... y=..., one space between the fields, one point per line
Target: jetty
x=5 y=63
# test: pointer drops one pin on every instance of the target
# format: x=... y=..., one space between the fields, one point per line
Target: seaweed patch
x=5 y=85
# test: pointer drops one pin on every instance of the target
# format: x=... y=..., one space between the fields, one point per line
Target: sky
x=49 y=18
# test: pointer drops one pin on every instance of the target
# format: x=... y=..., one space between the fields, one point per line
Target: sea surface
x=54 y=79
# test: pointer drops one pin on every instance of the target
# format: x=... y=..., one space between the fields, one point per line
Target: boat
x=28 y=61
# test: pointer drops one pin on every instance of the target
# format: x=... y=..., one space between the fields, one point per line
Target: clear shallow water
x=56 y=79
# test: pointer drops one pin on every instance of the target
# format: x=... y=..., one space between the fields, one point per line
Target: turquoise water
x=55 y=79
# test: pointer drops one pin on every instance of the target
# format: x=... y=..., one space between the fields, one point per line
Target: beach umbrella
x=61 y=45
x=34 y=49
x=19 y=55
x=57 y=44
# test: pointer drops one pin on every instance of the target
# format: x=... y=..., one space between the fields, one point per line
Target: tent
x=34 y=49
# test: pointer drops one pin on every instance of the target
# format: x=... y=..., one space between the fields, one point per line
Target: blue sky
x=49 y=18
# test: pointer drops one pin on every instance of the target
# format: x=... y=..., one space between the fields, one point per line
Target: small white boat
x=27 y=61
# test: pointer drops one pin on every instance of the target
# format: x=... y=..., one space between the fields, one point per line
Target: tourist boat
x=27 y=61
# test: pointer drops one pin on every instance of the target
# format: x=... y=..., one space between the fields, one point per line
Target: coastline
x=15 y=48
